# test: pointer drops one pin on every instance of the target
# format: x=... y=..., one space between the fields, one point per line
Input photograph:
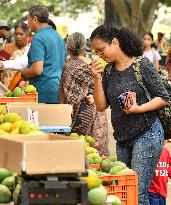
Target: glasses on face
x=100 y=51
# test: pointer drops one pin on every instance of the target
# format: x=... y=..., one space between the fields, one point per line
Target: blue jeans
x=157 y=199
x=142 y=155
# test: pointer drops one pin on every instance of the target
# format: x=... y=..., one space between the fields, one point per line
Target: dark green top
x=127 y=126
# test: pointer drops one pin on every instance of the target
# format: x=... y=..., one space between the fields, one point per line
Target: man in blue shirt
x=45 y=57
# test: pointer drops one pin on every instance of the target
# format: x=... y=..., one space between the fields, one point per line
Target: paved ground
x=112 y=148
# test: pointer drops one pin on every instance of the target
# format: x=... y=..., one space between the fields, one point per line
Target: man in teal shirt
x=45 y=57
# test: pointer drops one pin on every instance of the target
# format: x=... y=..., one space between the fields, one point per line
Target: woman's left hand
x=89 y=99
x=135 y=108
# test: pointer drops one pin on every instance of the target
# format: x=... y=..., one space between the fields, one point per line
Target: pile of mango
x=97 y=194
x=108 y=166
x=13 y=124
x=19 y=92
x=11 y=185
x=7 y=185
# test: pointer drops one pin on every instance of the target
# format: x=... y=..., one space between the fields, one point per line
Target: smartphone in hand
x=126 y=99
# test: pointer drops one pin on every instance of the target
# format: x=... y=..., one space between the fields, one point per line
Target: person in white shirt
x=22 y=61
x=16 y=64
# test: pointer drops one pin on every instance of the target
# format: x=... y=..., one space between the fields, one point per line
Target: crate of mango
x=25 y=94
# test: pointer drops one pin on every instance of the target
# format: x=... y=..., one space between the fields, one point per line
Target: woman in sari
x=15 y=49
x=76 y=88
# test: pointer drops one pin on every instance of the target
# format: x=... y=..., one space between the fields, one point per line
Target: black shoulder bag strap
x=138 y=75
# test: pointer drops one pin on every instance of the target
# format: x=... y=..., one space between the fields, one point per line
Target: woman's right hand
x=98 y=93
x=97 y=68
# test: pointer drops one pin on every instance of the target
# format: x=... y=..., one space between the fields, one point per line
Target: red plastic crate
x=126 y=188
x=95 y=166
x=31 y=95
x=26 y=98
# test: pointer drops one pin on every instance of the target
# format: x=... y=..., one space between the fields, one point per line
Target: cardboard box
x=48 y=114
x=42 y=154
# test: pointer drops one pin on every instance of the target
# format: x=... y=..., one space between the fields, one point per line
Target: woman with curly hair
x=76 y=88
x=137 y=129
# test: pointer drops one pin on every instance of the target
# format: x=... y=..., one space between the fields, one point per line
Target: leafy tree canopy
x=165 y=2
x=13 y=10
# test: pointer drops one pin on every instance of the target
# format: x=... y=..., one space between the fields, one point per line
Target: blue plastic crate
x=55 y=129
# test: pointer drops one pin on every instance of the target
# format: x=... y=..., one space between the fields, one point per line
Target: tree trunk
x=147 y=16
x=111 y=15
x=135 y=14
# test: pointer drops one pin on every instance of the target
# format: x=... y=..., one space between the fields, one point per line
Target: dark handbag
x=164 y=113
x=85 y=116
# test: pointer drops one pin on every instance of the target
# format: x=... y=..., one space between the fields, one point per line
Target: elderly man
x=45 y=57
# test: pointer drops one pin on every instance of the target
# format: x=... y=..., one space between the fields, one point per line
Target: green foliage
x=18 y=10
x=14 y=11
x=77 y=6
x=165 y=2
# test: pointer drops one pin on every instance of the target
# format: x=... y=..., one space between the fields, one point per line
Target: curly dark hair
x=129 y=41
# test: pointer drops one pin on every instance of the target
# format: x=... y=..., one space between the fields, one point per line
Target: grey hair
x=76 y=44
x=41 y=12
x=24 y=27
